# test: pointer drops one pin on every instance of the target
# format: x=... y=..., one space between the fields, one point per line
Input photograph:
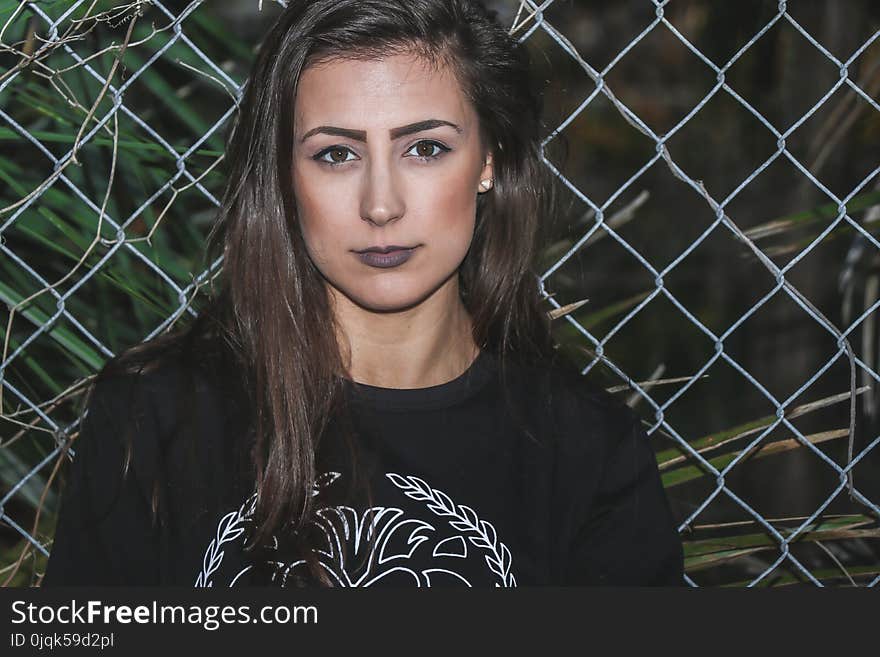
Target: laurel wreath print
x=230 y=528
x=460 y=517
x=466 y=519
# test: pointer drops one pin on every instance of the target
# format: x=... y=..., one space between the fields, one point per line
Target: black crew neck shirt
x=556 y=486
x=433 y=397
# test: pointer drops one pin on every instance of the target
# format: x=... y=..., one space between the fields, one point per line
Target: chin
x=389 y=303
x=391 y=300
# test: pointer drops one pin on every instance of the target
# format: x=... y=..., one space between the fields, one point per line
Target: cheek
x=323 y=235
x=320 y=220
x=451 y=209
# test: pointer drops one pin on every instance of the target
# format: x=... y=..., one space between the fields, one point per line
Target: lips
x=376 y=258
x=385 y=249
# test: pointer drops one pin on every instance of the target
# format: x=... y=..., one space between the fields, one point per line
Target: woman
x=373 y=397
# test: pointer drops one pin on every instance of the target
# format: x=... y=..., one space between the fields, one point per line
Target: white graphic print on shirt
x=342 y=525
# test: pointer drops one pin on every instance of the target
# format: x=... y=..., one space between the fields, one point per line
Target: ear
x=487 y=173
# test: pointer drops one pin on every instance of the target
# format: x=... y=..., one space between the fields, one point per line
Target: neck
x=424 y=345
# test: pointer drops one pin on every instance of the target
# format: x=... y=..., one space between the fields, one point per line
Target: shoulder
x=592 y=403
x=594 y=422
x=575 y=399
x=164 y=421
x=583 y=417
x=153 y=394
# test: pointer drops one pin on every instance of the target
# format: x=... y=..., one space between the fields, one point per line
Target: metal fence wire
x=56 y=44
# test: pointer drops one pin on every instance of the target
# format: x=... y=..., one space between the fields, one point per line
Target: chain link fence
x=109 y=163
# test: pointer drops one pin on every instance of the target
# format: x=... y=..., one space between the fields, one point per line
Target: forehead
x=378 y=94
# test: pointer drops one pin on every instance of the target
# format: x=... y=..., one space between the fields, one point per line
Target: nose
x=381 y=201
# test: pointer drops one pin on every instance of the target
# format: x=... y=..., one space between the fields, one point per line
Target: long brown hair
x=269 y=326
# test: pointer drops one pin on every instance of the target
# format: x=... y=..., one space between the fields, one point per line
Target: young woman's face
x=386 y=153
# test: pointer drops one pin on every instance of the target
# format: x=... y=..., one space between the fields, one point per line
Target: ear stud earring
x=486 y=184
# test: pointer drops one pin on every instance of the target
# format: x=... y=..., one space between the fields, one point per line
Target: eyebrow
x=396 y=133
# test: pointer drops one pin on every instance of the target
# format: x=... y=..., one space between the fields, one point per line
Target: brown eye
x=425 y=150
x=340 y=152
x=337 y=156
